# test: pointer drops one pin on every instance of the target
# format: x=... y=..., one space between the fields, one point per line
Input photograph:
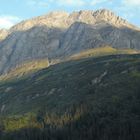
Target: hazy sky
x=13 y=11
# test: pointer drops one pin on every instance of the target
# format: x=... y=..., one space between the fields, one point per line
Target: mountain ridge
x=59 y=35
x=86 y=16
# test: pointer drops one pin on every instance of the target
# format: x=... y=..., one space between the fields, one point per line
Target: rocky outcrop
x=3 y=34
x=61 y=19
x=98 y=80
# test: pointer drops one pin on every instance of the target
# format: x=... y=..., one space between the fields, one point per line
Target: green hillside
x=85 y=99
x=25 y=69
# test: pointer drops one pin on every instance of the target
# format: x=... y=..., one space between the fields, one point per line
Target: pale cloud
x=71 y=2
x=7 y=21
x=95 y=2
x=37 y=3
x=45 y=3
x=128 y=15
x=131 y=2
x=66 y=3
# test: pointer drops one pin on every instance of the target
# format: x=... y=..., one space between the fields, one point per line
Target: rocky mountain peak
x=104 y=12
x=100 y=16
x=104 y=15
x=62 y=19
x=85 y=16
x=57 y=14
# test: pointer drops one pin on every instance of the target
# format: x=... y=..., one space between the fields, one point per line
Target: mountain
x=70 y=77
x=59 y=35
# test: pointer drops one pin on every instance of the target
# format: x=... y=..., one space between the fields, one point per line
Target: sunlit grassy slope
x=102 y=51
x=26 y=69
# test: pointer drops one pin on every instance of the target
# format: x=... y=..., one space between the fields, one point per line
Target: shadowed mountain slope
x=91 y=98
x=63 y=84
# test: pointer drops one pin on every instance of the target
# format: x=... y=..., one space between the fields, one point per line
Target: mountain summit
x=60 y=34
x=61 y=19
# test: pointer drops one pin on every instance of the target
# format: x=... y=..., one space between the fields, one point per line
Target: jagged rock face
x=82 y=36
x=3 y=34
x=53 y=19
x=36 y=43
x=110 y=17
x=59 y=34
x=64 y=20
